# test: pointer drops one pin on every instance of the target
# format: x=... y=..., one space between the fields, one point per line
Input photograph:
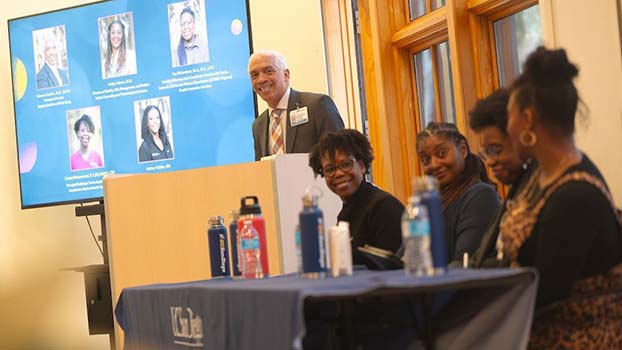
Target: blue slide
x=126 y=87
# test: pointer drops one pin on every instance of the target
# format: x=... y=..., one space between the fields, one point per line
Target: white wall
x=590 y=33
x=42 y=307
x=298 y=35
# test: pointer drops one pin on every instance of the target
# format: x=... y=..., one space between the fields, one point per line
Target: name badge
x=299 y=116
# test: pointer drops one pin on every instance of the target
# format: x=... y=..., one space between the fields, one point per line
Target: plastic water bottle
x=425 y=190
x=416 y=239
x=250 y=251
x=250 y=210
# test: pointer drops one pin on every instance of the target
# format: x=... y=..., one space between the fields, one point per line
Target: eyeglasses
x=331 y=170
x=491 y=152
x=187 y=23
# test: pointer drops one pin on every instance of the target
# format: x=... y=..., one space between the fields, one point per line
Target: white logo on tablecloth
x=187 y=327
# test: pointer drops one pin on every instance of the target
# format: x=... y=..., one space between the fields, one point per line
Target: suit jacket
x=46 y=78
x=323 y=118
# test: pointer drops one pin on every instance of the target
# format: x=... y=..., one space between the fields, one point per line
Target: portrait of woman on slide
x=155 y=145
x=85 y=157
x=118 y=55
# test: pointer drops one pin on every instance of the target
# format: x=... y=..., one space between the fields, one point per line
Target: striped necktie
x=276 y=132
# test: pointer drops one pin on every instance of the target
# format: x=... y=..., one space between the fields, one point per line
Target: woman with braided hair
x=468 y=199
x=119 y=59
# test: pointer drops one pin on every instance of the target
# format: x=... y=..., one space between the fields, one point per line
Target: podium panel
x=157 y=223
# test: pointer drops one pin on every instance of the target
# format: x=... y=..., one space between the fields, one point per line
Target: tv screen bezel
x=88 y=199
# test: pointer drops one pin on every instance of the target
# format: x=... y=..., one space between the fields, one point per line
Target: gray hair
x=277 y=57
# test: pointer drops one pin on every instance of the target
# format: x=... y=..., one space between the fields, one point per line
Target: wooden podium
x=157 y=223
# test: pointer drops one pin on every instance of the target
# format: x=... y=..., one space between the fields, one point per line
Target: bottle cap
x=216 y=220
x=234 y=214
x=252 y=208
x=309 y=200
x=311 y=196
x=425 y=184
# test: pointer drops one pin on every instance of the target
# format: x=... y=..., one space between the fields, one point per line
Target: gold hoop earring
x=527 y=138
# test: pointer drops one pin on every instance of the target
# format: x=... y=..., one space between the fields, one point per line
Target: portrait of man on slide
x=51 y=57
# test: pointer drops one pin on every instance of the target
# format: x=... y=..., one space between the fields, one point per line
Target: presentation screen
x=128 y=87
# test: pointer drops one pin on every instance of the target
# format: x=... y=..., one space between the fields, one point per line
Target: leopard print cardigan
x=591 y=318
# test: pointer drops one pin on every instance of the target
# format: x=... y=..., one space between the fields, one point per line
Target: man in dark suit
x=298 y=119
x=50 y=75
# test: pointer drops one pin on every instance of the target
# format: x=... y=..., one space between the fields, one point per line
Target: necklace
x=566 y=162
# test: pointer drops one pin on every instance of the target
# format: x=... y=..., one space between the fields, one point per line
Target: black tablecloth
x=490 y=309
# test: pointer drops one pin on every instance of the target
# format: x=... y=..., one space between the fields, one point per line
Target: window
x=515 y=37
x=434 y=85
x=430 y=60
x=419 y=8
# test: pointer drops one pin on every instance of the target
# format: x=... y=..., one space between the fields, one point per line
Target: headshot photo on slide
x=117 y=45
x=50 y=48
x=154 y=130
x=188 y=33
x=84 y=134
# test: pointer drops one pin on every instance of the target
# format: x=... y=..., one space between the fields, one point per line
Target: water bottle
x=218 y=252
x=250 y=210
x=425 y=188
x=250 y=251
x=298 y=249
x=416 y=239
x=234 y=242
x=312 y=238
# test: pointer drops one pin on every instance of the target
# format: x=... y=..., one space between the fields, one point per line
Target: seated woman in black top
x=468 y=200
x=563 y=222
x=343 y=158
x=489 y=119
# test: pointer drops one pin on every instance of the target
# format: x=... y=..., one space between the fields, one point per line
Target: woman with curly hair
x=343 y=158
x=85 y=157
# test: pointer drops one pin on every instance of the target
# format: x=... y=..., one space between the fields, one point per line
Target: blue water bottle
x=425 y=191
x=218 y=252
x=234 y=242
x=312 y=238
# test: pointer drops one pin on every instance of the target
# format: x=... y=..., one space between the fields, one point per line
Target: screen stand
x=97 y=282
x=92 y=210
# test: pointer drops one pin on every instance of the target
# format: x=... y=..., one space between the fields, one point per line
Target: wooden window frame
x=387 y=40
x=343 y=76
x=413 y=51
x=482 y=15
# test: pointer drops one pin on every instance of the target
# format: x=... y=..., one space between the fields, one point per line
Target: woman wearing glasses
x=192 y=48
x=343 y=158
x=468 y=199
x=489 y=118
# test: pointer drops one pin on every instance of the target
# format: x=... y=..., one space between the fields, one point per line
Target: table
x=486 y=309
